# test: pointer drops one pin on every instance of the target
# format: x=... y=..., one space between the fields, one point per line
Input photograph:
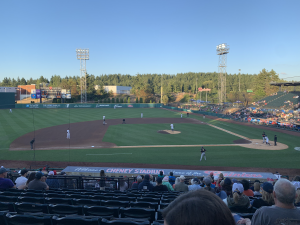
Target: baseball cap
x=238 y=187
x=147 y=177
x=3 y=170
x=267 y=187
x=182 y=177
x=39 y=175
x=207 y=181
x=159 y=180
x=227 y=181
x=23 y=171
x=234 y=180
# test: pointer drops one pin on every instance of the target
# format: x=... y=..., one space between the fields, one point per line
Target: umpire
x=275 y=140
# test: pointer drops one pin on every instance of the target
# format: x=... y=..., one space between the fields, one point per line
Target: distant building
x=117 y=90
x=24 y=91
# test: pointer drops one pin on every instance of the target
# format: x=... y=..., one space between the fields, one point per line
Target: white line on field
x=112 y=154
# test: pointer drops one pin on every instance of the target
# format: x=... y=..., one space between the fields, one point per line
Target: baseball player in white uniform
x=203 y=150
x=10 y=111
x=267 y=140
x=172 y=127
x=141 y=115
x=181 y=115
x=68 y=134
x=115 y=106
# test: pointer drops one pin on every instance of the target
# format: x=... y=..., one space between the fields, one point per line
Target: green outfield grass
x=21 y=121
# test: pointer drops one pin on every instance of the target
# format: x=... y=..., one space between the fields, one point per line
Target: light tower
x=222 y=51
x=83 y=55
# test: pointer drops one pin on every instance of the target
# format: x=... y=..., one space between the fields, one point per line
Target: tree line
x=148 y=86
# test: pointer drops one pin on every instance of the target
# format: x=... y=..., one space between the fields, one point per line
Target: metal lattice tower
x=222 y=51
x=83 y=55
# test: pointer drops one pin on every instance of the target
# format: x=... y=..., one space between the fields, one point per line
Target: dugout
x=7 y=100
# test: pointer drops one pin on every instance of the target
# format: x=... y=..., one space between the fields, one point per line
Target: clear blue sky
x=39 y=37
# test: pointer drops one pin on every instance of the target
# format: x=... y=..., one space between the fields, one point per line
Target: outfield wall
x=7 y=100
x=87 y=105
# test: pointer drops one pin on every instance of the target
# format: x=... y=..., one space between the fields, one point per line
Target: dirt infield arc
x=83 y=134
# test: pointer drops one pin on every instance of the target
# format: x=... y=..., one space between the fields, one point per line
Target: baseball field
x=146 y=141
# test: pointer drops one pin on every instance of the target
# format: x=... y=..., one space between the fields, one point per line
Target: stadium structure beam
x=222 y=51
x=83 y=55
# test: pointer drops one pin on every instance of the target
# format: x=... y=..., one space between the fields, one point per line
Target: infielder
x=203 y=150
x=275 y=140
x=172 y=127
x=181 y=115
x=141 y=115
x=31 y=143
x=10 y=111
x=267 y=140
x=115 y=106
x=103 y=117
x=264 y=137
x=68 y=134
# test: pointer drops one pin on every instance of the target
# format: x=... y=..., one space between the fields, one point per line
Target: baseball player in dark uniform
x=31 y=143
x=264 y=137
x=275 y=140
x=203 y=150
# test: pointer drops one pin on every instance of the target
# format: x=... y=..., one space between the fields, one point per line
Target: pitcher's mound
x=168 y=132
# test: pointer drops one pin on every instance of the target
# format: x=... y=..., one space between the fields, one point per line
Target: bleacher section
x=279 y=101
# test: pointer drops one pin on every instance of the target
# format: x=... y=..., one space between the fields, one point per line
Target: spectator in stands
x=227 y=186
x=239 y=199
x=202 y=182
x=123 y=185
x=135 y=185
x=181 y=186
x=102 y=183
x=297 y=201
x=30 y=178
x=219 y=180
x=5 y=183
x=267 y=196
x=284 y=211
x=159 y=186
x=161 y=174
x=247 y=191
x=197 y=207
x=177 y=181
x=51 y=181
x=195 y=184
x=39 y=183
x=22 y=179
x=257 y=189
x=165 y=181
x=207 y=181
x=151 y=181
x=252 y=187
x=171 y=179
x=211 y=174
x=145 y=184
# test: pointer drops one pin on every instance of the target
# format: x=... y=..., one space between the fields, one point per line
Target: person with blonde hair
x=267 y=196
x=177 y=181
x=256 y=189
x=238 y=199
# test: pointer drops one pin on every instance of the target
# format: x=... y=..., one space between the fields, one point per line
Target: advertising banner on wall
x=38 y=93
x=33 y=96
x=33 y=91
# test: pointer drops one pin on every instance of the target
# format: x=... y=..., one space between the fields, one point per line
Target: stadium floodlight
x=222 y=51
x=83 y=55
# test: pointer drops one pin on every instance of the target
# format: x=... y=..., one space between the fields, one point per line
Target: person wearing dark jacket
x=145 y=184
x=159 y=186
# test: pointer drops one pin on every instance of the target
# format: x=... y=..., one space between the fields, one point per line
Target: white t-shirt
x=171 y=126
x=20 y=181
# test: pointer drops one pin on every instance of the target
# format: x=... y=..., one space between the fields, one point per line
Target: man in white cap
x=22 y=179
x=181 y=186
x=5 y=183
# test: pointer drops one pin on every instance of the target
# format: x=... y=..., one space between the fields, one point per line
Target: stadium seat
x=88 y=202
x=8 y=198
x=75 y=196
x=124 y=221
x=148 y=199
x=163 y=205
x=147 y=205
x=27 y=207
x=140 y=213
x=55 y=195
x=158 y=222
x=246 y=215
x=2 y=217
x=7 y=206
x=27 y=219
x=167 y=200
x=74 y=220
x=159 y=215
x=148 y=195
x=8 y=193
x=100 y=197
x=114 y=203
x=68 y=201
x=34 y=191
x=62 y=209
x=101 y=211
x=32 y=194
x=32 y=200
x=242 y=210
x=125 y=198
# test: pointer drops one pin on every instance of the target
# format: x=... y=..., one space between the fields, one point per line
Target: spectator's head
x=195 y=181
x=3 y=172
x=221 y=176
x=166 y=179
x=171 y=173
x=207 y=181
x=245 y=184
x=234 y=181
x=147 y=177
x=284 y=192
x=211 y=174
x=39 y=175
x=256 y=186
x=197 y=207
x=267 y=193
x=139 y=179
x=31 y=177
x=24 y=172
x=102 y=173
x=177 y=180
x=51 y=173
x=297 y=196
x=237 y=191
x=182 y=178
x=159 y=181
x=161 y=173
x=227 y=181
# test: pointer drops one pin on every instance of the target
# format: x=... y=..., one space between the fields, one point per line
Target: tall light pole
x=222 y=51
x=83 y=55
x=239 y=80
x=161 y=88
x=196 y=90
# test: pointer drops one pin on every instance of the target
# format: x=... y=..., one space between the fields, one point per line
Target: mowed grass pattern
x=21 y=121
x=146 y=134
